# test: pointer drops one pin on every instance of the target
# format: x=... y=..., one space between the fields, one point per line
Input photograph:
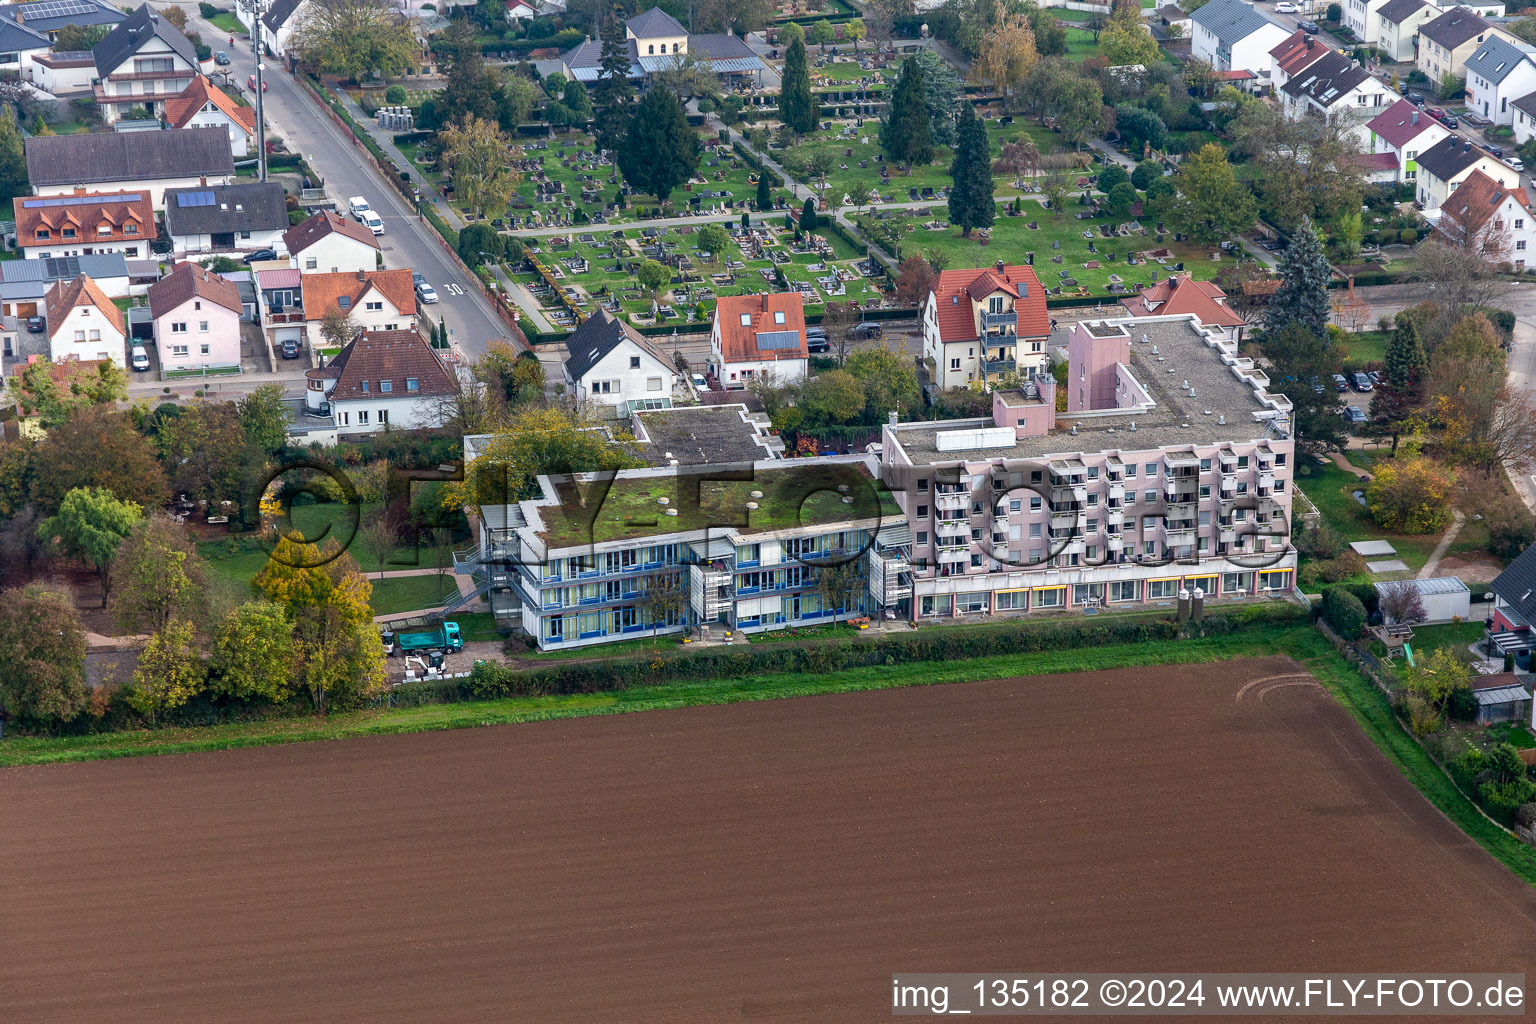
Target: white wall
x=63 y=81
x=1252 y=53
x=86 y=321
x=735 y=376
x=627 y=384
x=404 y=413
x=1497 y=101
x=387 y=318
x=270 y=239
x=76 y=246
x=222 y=336
x=239 y=141
x=337 y=253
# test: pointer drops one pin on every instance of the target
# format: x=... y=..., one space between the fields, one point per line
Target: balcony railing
x=1000 y=365
x=952 y=502
x=1009 y=319
x=952 y=527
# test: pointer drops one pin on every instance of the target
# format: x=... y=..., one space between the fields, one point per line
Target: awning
x=1512 y=643
x=1501 y=695
x=894 y=535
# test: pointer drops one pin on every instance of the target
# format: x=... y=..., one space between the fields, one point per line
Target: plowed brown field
x=774 y=860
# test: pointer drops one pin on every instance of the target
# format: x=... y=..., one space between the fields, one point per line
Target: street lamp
x=258 y=8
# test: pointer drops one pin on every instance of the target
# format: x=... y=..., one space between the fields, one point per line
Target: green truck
x=444 y=637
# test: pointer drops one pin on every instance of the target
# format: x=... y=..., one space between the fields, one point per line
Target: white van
x=371 y=221
x=138 y=358
x=357 y=206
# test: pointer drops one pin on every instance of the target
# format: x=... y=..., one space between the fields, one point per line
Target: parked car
x=1451 y=121
x=357 y=205
x=1309 y=27
x=867 y=329
x=1416 y=98
x=1360 y=382
x=138 y=358
x=418 y=279
x=426 y=293
x=252 y=83
x=1339 y=383
x=221 y=59
x=1272 y=244
x=1493 y=150
x=259 y=255
x=290 y=348
x=35 y=325
x=1435 y=112
x=1283 y=7
x=817 y=345
x=1515 y=163
x=699 y=383
x=371 y=221
x=1353 y=415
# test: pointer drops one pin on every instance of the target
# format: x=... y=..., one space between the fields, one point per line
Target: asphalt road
x=408 y=242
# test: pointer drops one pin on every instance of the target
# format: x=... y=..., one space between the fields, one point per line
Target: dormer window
x=68 y=233
x=746 y=319
x=130 y=229
x=364 y=385
x=778 y=316
x=103 y=229
x=345 y=302
x=43 y=234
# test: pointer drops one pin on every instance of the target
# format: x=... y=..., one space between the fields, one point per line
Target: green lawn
x=669 y=642
x=226 y=22
x=1080 y=44
x=1364 y=350
x=1330 y=489
x=410 y=593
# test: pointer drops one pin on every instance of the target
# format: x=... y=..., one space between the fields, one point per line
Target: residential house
x=329 y=243
x=278 y=23
x=382 y=380
x=247 y=217
x=1026 y=510
x=1363 y=18
x=985 y=325
x=196 y=316
x=24 y=284
x=1400 y=21
x=1297 y=52
x=65 y=74
x=1230 y=34
x=47 y=17
x=83 y=324
x=1174 y=20
x=657 y=42
x=281 y=305
x=1447 y=41
x=757 y=337
x=129 y=162
x=204 y=104
x=141 y=64
x=65 y=375
x=1339 y=90
x=609 y=363
x=1524 y=121
x=1490 y=218
x=374 y=300
x=1498 y=73
x=1449 y=162
x=20 y=46
x=1514 y=608
x=84 y=223
x=1404 y=131
x=517 y=10
x=1375 y=168
x=1181 y=295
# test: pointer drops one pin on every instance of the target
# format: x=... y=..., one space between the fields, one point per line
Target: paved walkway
x=1457 y=519
x=1342 y=461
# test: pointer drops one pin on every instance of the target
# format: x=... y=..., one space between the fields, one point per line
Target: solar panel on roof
x=57 y=9
x=772 y=340
x=41 y=204
x=192 y=199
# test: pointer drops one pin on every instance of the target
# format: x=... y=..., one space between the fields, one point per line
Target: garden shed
x=1501 y=698
x=1445 y=597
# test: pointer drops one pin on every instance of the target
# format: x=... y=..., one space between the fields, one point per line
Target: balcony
x=1010 y=319
x=947 y=555
x=1067 y=493
x=1114 y=515
x=992 y=366
x=1178 y=498
x=953 y=528
x=952 y=502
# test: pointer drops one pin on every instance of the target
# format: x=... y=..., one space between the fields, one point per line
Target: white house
x=1492 y=219
x=758 y=337
x=1399 y=21
x=203 y=104
x=64 y=73
x=149 y=162
x=247 y=217
x=382 y=379
x=1404 y=131
x=84 y=324
x=375 y=300
x=1449 y=162
x=282 y=17
x=1499 y=73
x=20 y=46
x=141 y=63
x=84 y=223
x=1362 y=17
x=196 y=315
x=1337 y=88
x=1525 y=118
x=609 y=363
x=984 y=325
x=1231 y=35
x=328 y=243
x=1296 y=53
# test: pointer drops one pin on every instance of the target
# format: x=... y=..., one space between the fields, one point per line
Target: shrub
x=1408 y=236
x=1344 y=612
x=1111 y=176
x=1465 y=769
x=395 y=96
x=1343 y=567
x=207 y=10
x=1411 y=494
x=1319 y=540
x=1503 y=800
x=1462 y=705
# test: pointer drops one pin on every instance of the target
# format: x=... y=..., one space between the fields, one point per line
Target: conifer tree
x=970 y=200
x=797 y=106
x=906 y=135
x=1302 y=298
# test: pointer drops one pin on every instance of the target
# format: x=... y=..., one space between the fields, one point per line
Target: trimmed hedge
x=825 y=655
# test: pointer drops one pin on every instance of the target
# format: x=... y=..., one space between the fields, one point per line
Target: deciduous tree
x=90 y=524
x=253 y=653
x=478 y=154
x=1210 y=204
x=42 y=656
x=157 y=576
x=13 y=160
x=915 y=279
x=1411 y=494
x=96 y=447
x=170 y=671
x=353 y=38
x=53 y=402
x=537 y=441
x=889 y=380
x=1007 y=53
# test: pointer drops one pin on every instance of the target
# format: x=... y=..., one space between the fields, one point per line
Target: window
x=310 y=263
x=1035 y=503
x=375 y=307
x=1160 y=589
x=778 y=316
x=68 y=233
x=650 y=51
x=364 y=386
x=1519 y=223
x=1082 y=593
x=1011 y=601
x=79 y=335
x=602 y=387
x=1052 y=597
x=362 y=417
x=1149 y=497
x=1130 y=471
x=383 y=417
x=179 y=327
x=197 y=304
x=746 y=319
x=1520 y=245
x=653 y=384
x=922 y=536
x=1236 y=582
x=954 y=364
x=345 y=302
x=202 y=326
x=103 y=229
x=934 y=605
x=412 y=384
x=179 y=351
x=1123 y=590
x=922 y=511
x=43 y=235
x=386 y=386
x=971 y=603
x=95 y=335
x=922 y=485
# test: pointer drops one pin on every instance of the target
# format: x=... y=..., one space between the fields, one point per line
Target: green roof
x=793 y=496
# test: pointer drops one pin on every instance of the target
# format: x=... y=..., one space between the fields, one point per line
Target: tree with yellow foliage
x=1008 y=53
x=1411 y=494
x=170 y=671
x=538 y=441
x=1428 y=683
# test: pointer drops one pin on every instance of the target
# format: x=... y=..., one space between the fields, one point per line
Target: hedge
x=825 y=655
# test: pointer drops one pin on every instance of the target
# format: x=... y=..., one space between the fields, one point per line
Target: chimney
x=1000 y=266
x=360 y=276
x=1414 y=119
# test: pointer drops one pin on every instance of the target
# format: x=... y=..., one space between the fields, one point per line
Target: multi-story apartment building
x=1169 y=470
x=142 y=64
x=985 y=325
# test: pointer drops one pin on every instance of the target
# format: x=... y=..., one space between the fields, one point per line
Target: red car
x=252 y=83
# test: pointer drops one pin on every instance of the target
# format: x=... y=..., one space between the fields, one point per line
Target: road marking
x=454 y=289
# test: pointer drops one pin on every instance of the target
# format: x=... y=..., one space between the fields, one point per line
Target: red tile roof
x=1179 y=295
x=394 y=356
x=738 y=341
x=64 y=296
x=306 y=233
x=1235 y=75
x=188 y=280
x=1297 y=54
x=958 y=323
x=180 y=109
x=322 y=291
x=1374 y=161
x=1400 y=124
x=87 y=213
